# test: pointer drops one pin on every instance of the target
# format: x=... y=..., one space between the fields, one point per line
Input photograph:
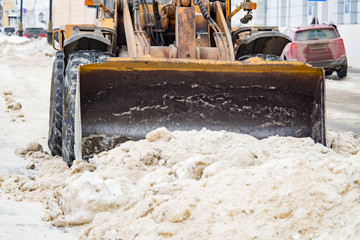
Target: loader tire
x=56 y=105
x=75 y=59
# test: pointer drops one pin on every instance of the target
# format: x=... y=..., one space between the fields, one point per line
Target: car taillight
x=26 y=35
x=339 y=41
x=43 y=35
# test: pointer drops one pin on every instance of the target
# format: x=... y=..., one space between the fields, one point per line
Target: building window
x=42 y=17
x=347 y=6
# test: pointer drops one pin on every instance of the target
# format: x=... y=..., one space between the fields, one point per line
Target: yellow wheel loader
x=178 y=64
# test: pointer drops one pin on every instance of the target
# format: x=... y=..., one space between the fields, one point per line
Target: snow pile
x=25 y=67
x=208 y=185
x=178 y=185
x=218 y=185
x=21 y=48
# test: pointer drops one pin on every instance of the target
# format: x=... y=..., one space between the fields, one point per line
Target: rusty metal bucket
x=126 y=98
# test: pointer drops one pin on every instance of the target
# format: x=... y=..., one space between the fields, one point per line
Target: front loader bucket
x=127 y=98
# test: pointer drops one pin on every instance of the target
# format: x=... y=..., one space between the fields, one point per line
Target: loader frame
x=134 y=71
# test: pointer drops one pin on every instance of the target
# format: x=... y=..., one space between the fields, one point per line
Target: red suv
x=319 y=46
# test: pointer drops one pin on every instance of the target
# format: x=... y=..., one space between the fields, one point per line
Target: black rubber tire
x=329 y=72
x=75 y=59
x=342 y=72
x=56 y=105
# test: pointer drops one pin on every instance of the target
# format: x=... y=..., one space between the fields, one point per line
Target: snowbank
x=206 y=185
x=25 y=67
x=12 y=47
x=179 y=185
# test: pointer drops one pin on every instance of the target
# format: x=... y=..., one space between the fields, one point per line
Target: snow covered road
x=173 y=185
x=25 y=67
x=343 y=102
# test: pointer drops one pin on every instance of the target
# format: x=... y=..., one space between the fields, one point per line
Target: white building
x=35 y=13
x=301 y=12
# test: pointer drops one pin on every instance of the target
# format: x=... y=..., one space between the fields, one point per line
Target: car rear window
x=9 y=29
x=325 y=33
x=34 y=30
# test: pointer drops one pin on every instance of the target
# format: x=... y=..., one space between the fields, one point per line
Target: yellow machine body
x=183 y=74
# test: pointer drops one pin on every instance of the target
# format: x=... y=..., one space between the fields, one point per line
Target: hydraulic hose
x=207 y=16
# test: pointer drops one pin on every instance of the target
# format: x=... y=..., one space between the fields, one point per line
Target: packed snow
x=173 y=185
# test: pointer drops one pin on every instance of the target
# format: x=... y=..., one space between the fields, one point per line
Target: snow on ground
x=172 y=185
x=343 y=102
x=25 y=67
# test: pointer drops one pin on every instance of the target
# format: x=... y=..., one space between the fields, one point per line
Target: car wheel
x=342 y=72
x=329 y=72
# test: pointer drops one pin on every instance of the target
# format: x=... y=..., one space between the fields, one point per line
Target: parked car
x=9 y=31
x=319 y=46
x=34 y=32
